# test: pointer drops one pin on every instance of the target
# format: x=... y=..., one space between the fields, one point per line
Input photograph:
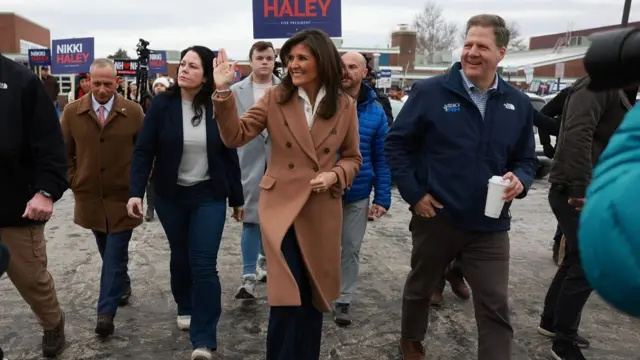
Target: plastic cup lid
x=498 y=180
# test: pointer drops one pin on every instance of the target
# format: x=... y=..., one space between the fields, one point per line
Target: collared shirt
x=310 y=110
x=107 y=107
x=478 y=96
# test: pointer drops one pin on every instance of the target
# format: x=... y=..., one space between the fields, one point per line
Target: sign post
x=72 y=56
x=559 y=73
x=279 y=19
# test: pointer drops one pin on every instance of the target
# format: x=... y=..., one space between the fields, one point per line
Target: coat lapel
x=85 y=106
x=322 y=128
x=245 y=94
x=116 y=109
x=175 y=115
x=295 y=120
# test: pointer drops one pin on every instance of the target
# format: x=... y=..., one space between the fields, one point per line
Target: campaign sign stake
x=279 y=19
x=72 y=56
x=39 y=57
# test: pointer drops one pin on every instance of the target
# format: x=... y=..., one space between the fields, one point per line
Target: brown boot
x=458 y=286
x=436 y=298
x=411 y=350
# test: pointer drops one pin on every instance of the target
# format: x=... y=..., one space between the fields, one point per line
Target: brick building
x=575 y=39
x=18 y=35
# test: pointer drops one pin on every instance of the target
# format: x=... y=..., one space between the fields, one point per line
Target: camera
x=613 y=59
x=143 y=52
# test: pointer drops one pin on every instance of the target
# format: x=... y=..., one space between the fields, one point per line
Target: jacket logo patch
x=509 y=106
x=3 y=86
x=451 y=107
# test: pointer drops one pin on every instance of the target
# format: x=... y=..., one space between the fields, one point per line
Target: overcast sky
x=174 y=24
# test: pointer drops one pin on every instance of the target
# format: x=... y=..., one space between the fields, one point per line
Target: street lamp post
x=376 y=66
x=626 y=12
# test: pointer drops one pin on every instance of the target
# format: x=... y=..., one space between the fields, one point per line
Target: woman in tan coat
x=315 y=156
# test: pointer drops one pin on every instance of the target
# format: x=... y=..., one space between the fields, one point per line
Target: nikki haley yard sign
x=39 y=57
x=72 y=56
x=277 y=19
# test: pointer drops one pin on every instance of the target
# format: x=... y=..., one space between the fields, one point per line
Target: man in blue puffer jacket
x=374 y=173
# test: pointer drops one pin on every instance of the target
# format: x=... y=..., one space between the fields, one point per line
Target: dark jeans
x=4 y=258
x=295 y=332
x=484 y=258
x=114 y=278
x=569 y=290
x=193 y=222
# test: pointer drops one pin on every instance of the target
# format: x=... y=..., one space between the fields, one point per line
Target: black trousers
x=295 y=332
x=569 y=290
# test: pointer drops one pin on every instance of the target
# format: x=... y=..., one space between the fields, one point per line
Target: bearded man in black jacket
x=33 y=175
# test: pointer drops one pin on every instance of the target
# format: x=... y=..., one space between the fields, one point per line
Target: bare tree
x=516 y=41
x=434 y=32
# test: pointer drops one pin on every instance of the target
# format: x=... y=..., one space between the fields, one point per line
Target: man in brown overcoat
x=100 y=132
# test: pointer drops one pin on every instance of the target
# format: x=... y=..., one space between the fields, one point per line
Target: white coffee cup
x=495 y=196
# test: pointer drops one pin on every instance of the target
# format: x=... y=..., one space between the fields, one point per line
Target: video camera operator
x=609 y=227
x=143 y=95
x=381 y=98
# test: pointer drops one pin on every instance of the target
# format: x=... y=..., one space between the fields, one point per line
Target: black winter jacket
x=32 y=156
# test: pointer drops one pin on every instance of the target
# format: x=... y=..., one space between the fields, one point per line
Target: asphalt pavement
x=146 y=328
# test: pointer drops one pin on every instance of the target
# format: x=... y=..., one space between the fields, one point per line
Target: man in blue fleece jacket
x=374 y=174
x=453 y=134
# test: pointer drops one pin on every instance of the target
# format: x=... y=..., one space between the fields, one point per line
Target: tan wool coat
x=298 y=156
x=99 y=160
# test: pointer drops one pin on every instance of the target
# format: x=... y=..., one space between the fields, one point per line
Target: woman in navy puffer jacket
x=610 y=221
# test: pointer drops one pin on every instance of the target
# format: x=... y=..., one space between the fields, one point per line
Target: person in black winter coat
x=552 y=111
x=33 y=175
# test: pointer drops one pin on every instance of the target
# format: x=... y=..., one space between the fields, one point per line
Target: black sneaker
x=104 y=326
x=53 y=341
x=341 y=314
x=124 y=300
x=561 y=351
x=545 y=329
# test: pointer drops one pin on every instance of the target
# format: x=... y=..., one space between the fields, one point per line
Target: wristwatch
x=45 y=194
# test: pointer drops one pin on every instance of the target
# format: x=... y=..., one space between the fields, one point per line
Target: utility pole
x=626 y=12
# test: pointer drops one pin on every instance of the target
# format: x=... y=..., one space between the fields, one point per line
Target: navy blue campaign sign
x=279 y=19
x=71 y=56
x=39 y=57
x=158 y=62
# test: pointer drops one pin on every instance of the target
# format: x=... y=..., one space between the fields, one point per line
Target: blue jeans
x=114 y=278
x=251 y=246
x=193 y=222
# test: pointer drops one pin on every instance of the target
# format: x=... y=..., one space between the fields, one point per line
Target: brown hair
x=328 y=65
x=260 y=46
x=500 y=29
